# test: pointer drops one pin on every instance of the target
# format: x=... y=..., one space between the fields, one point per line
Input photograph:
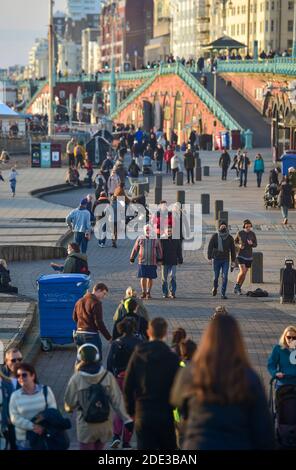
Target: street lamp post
x=136 y=59
x=215 y=82
x=50 y=71
x=112 y=75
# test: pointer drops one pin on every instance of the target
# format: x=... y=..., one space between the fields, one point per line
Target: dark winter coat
x=171 y=252
x=225 y=160
x=274 y=177
x=241 y=239
x=149 y=378
x=76 y=263
x=141 y=326
x=286 y=195
x=189 y=160
x=134 y=170
x=211 y=426
x=228 y=248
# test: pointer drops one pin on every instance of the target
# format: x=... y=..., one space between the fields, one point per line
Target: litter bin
x=225 y=139
x=57 y=295
x=235 y=139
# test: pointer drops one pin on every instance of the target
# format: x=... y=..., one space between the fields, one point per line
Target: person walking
x=189 y=164
x=274 y=176
x=235 y=162
x=279 y=365
x=224 y=163
x=159 y=155
x=92 y=380
x=149 y=252
x=26 y=402
x=226 y=410
x=70 y=151
x=80 y=222
x=113 y=182
x=100 y=209
x=89 y=171
x=12 y=180
x=121 y=310
x=133 y=169
x=107 y=166
x=141 y=324
x=7 y=433
x=88 y=315
x=168 y=155
x=286 y=198
x=171 y=257
x=79 y=154
x=175 y=165
x=245 y=240
x=221 y=248
x=120 y=353
x=148 y=381
x=100 y=183
x=243 y=165
x=259 y=168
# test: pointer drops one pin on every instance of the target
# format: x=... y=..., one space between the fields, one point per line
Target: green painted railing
x=178 y=69
x=276 y=66
x=105 y=77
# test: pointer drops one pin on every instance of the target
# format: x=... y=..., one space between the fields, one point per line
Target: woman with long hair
x=279 y=364
x=227 y=407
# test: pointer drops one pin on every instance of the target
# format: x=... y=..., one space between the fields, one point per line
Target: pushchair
x=147 y=165
x=282 y=402
x=271 y=196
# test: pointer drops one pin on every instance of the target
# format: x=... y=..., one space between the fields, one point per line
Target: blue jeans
x=284 y=210
x=13 y=186
x=159 y=165
x=79 y=238
x=224 y=266
x=82 y=338
x=243 y=177
x=165 y=272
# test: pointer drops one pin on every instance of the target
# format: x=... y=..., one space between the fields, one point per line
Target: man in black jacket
x=172 y=256
x=224 y=163
x=148 y=382
x=220 y=247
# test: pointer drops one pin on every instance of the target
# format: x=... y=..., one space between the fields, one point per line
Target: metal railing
x=276 y=66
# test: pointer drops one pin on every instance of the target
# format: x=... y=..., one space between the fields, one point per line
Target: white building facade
x=78 y=9
x=90 y=50
x=69 y=58
x=38 y=59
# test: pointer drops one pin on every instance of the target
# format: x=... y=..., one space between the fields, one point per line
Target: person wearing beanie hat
x=79 y=221
x=100 y=211
x=89 y=372
x=220 y=248
x=245 y=240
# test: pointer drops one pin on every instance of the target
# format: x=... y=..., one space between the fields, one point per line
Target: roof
x=6 y=111
x=225 y=42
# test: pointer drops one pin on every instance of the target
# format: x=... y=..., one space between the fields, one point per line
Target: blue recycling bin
x=57 y=295
x=288 y=160
x=225 y=140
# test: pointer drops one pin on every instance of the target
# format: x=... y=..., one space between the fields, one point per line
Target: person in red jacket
x=168 y=155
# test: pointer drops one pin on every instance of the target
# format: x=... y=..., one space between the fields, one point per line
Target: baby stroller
x=147 y=165
x=282 y=401
x=271 y=196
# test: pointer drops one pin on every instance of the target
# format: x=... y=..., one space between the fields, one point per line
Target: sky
x=21 y=21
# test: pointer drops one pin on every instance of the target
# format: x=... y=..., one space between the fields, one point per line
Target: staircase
x=241 y=110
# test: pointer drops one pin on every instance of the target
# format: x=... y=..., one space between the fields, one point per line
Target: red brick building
x=132 y=24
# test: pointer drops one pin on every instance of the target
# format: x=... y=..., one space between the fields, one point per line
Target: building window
x=238 y=10
x=243 y=28
x=290 y=43
x=267 y=6
x=251 y=28
x=272 y=26
x=266 y=26
x=251 y=8
x=272 y=5
x=255 y=8
x=290 y=26
x=237 y=29
x=233 y=30
x=254 y=29
x=243 y=9
x=261 y=6
x=290 y=5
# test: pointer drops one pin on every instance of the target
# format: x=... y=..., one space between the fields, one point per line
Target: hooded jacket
x=149 y=378
x=76 y=263
x=92 y=432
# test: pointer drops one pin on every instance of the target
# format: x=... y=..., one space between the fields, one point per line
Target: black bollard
x=158 y=181
x=218 y=208
x=205 y=203
x=223 y=215
x=181 y=197
x=180 y=178
x=256 y=271
x=157 y=195
x=206 y=171
x=198 y=162
x=198 y=173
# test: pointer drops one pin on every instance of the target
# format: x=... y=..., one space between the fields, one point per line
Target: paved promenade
x=262 y=321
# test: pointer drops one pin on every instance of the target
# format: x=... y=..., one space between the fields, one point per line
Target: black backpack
x=94 y=403
x=81 y=266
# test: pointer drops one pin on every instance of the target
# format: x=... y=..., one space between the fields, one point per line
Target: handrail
x=276 y=66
